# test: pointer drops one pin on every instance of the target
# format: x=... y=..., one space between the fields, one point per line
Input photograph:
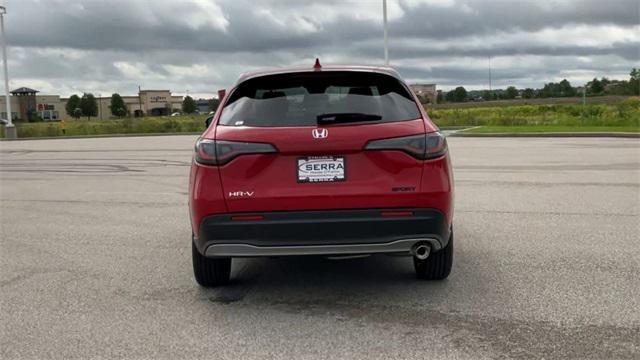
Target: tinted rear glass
x=301 y=99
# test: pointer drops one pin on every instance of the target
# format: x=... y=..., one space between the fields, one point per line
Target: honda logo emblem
x=320 y=133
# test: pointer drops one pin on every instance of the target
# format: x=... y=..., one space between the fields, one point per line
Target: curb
x=552 y=135
x=456 y=127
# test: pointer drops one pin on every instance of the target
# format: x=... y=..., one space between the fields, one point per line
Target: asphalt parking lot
x=96 y=262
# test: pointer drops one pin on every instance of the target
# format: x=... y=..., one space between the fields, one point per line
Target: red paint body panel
x=205 y=193
x=373 y=178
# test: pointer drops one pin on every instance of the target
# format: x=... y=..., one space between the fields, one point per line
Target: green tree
x=213 y=104
x=545 y=92
x=73 y=103
x=528 y=93
x=561 y=89
x=450 y=96
x=189 y=105
x=118 y=107
x=596 y=86
x=424 y=99
x=459 y=94
x=88 y=105
x=634 y=81
x=565 y=89
x=511 y=93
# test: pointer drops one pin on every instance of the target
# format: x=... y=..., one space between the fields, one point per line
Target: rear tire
x=210 y=272
x=438 y=265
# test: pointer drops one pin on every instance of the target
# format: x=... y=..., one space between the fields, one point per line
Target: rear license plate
x=321 y=169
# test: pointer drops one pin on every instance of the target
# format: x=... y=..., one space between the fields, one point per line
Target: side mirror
x=221 y=94
x=208 y=121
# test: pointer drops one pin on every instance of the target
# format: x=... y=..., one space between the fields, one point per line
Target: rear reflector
x=397 y=213
x=246 y=217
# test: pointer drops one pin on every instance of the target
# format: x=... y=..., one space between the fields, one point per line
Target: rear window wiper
x=334 y=118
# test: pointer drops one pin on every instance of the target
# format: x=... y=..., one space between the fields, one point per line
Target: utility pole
x=10 y=129
x=490 y=92
x=386 y=33
x=584 y=103
x=140 y=100
x=100 y=105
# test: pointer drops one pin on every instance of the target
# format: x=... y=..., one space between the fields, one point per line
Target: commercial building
x=427 y=92
x=153 y=102
x=27 y=104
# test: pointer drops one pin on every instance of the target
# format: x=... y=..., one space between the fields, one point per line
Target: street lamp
x=10 y=129
x=100 y=105
x=386 y=31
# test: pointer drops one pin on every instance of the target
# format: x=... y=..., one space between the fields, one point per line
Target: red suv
x=336 y=160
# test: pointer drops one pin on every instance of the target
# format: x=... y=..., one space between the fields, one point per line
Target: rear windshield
x=301 y=99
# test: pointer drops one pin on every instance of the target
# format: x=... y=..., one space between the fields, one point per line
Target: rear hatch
x=318 y=125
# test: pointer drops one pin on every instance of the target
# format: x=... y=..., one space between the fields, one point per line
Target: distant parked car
x=176 y=114
x=333 y=161
x=4 y=121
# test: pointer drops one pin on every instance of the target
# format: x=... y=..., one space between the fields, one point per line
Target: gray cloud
x=80 y=45
x=627 y=50
x=495 y=16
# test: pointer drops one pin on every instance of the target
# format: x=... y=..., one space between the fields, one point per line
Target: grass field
x=623 y=116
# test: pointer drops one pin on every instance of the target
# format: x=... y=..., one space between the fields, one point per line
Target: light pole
x=10 y=129
x=140 y=100
x=100 y=105
x=386 y=35
x=490 y=92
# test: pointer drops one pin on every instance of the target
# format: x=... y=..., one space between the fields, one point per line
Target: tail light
x=220 y=152
x=423 y=146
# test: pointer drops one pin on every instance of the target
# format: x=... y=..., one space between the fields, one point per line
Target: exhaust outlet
x=421 y=251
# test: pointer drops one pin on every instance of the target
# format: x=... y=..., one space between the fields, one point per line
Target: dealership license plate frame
x=321 y=178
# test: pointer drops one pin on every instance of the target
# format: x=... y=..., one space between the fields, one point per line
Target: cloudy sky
x=73 y=46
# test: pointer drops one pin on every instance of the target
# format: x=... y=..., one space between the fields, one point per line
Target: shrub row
x=165 y=124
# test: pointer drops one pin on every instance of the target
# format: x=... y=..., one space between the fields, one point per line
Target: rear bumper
x=326 y=232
